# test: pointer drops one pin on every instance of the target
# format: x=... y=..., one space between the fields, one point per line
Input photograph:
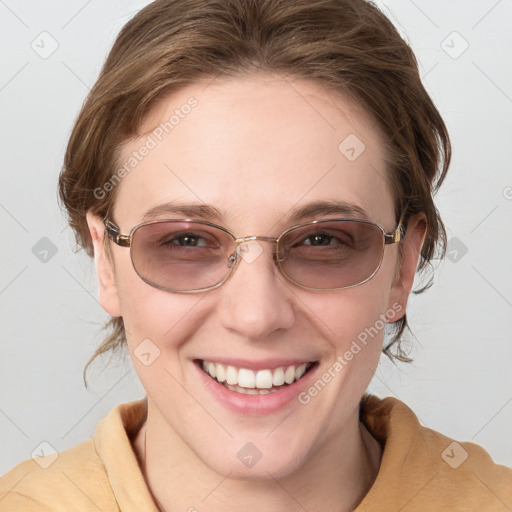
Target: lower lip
x=256 y=405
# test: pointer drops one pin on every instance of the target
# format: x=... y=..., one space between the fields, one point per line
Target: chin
x=256 y=460
x=268 y=467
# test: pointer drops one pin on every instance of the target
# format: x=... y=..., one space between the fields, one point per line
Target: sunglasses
x=186 y=256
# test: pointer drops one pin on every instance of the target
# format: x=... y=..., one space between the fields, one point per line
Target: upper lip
x=266 y=364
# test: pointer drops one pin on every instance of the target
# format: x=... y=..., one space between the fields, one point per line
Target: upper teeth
x=261 y=379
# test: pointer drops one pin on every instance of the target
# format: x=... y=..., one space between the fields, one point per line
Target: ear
x=411 y=248
x=107 y=288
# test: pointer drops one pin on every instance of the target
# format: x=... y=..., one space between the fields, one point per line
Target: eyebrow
x=202 y=211
x=324 y=208
x=307 y=212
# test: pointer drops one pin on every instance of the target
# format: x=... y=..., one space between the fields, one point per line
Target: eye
x=320 y=239
x=325 y=238
x=190 y=239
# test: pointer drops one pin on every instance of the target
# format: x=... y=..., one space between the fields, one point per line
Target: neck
x=335 y=478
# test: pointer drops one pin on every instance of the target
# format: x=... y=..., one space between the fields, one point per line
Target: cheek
x=356 y=327
x=158 y=326
x=148 y=313
x=157 y=315
x=353 y=321
x=345 y=315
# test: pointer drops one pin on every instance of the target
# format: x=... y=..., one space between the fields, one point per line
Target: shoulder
x=74 y=479
x=97 y=474
x=422 y=469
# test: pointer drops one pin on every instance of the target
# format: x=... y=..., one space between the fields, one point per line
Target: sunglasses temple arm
x=113 y=232
x=400 y=230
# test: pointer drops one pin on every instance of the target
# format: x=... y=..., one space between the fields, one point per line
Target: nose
x=255 y=301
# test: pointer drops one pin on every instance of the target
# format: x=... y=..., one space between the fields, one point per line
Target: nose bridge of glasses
x=255 y=238
x=250 y=252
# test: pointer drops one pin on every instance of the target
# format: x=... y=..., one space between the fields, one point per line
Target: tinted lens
x=182 y=256
x=331 y=254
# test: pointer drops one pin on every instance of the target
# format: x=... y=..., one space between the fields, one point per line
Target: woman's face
x=256 y=150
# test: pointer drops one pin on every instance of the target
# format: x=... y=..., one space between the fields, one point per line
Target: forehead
x=254 y=148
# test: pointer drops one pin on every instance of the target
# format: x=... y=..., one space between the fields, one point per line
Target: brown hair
x=347 y=45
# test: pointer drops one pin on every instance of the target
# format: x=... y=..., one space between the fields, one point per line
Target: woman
x=254 y=180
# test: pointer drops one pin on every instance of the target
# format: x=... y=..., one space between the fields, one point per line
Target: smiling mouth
x=260 y=382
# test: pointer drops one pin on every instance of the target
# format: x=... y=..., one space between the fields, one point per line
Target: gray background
x=460 y=382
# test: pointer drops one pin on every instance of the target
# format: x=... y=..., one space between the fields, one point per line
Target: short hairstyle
x=348 y=46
